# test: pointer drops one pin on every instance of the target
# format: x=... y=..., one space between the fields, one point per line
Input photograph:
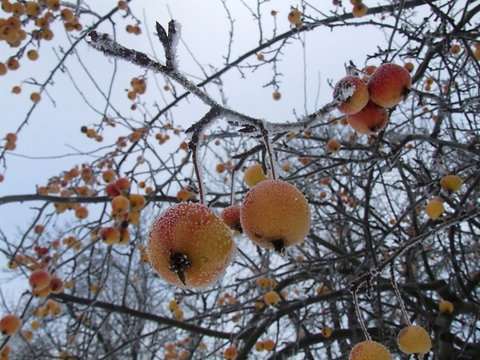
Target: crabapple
x=178 y=314
x=220 y=168
x=137 y=202
x=3 y=69
x=108 y=176
x=446 y=307
x=451 y=183
x=35 y=97
x=173 y=305
x=124 y=236
x=389 y=84
x=269 y=345
x=271 y=298
x=359 y=9
x=122 y=184
x=111 y=190
x=276 y=95
x=259 y=346
x=231 y=216
x=185 y=195
x=368 y=350
x=370 y=120
x=254 y=174
x=81 y=212
x=53 y=5
x=326 y=332
x=455 y=49
x=414 y=340
x=10 y=324
x=56 y=285
x=67 y=15
x=409 y=66
x=275 y=215
x=109 y=235
x=230 y=353
x=133 y=217
x=294 y=16
x=435 y=208
x=189 y=246
x=120 y=205
x=39 y=279
x=333 y=145
x=359 y=94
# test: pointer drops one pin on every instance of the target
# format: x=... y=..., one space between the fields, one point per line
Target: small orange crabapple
x=35 y=97
x=269 y=345
x=230 y=353
x=446 y=307
x=434 y=208
x=326 y=332
x=10 y=324
x=414 y=339
x=333 y=146
x=67 y=15
x=259 y=346
x=294 y=16
x=39 y=279
x=271 y=298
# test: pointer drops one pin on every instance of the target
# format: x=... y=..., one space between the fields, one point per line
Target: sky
x=51 y=141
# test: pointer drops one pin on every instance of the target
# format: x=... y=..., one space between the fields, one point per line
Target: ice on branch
x=104 y=43
x=175 y=39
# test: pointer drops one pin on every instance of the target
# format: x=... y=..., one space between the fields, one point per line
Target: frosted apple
x=370 y=120
x=359 y=94
x=275 y=215
x=189 y=246
x=389 y=84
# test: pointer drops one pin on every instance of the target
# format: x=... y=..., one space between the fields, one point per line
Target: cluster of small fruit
x=139 y=86
x=366 y=107
x=359 y=8
x=190 y=246
x=450 y=184
x=11 y=140
x=42 y=284
x=12 y=32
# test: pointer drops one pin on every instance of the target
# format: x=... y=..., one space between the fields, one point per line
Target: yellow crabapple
x=190 y=246
x=414 y=339
x=434 y=208
x=445 y=307
x=369 y=350
x=275 y=215
x=254 y=174
x=9 y=325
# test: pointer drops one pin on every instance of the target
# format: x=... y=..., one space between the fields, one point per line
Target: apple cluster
x=366 y=107
x=190 y=246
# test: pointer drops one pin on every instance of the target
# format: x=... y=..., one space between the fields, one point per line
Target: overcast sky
x=51 y=142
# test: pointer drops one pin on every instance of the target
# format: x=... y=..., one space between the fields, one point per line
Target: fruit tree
x=239 y=179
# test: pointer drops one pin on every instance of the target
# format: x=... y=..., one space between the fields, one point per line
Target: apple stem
x=359 y=316
x=399 y=297
x=178 y=262
x=279 y=246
